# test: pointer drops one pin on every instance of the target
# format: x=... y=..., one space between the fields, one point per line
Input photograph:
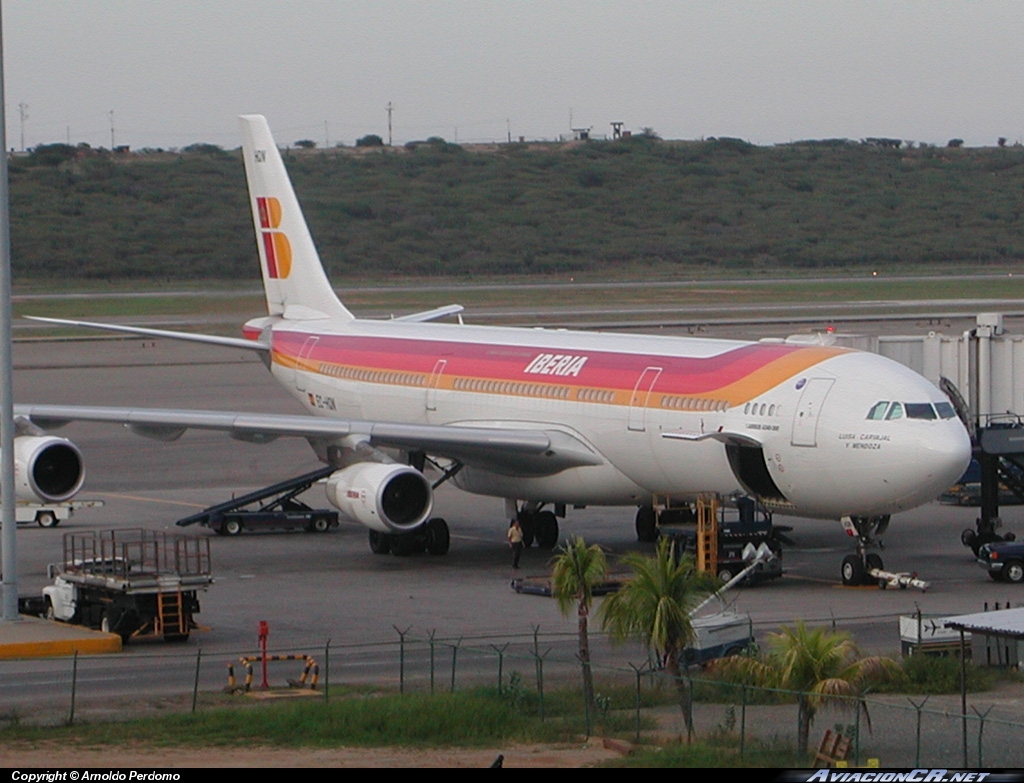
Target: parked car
x=1004 y=560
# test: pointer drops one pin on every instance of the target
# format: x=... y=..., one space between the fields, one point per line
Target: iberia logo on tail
x=276 y=247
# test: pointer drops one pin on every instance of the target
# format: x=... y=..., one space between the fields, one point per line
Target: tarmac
x=34 y=637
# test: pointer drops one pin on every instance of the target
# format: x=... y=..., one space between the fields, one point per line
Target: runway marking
x=151 y=500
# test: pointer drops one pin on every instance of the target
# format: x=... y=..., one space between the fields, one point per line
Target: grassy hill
x=625 y=208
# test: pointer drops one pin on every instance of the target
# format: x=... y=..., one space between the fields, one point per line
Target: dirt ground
x=51 y=756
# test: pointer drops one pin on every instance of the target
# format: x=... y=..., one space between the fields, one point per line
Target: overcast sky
x=179 y=71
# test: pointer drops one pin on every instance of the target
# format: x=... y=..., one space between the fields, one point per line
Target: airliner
x=553 y=419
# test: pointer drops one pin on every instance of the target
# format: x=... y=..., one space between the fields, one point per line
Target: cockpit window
x=877 y=412
x=920 y=410
x=913 y=410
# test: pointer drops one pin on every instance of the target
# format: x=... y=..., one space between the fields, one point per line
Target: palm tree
x=576 y=571
x=655 y=606
x=824 y=666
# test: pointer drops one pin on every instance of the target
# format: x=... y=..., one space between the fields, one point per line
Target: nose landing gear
x=856 y=569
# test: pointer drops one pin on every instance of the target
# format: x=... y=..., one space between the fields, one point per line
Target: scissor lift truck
x=135 y=583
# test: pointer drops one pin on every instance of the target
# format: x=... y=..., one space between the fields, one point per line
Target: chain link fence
x=898 y=730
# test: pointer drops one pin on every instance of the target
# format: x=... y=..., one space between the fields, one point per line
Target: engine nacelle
x=388 y=498
x=47 y=469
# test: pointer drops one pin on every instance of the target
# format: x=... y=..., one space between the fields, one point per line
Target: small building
x=996 y=637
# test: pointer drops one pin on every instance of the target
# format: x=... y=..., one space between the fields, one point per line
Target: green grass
x=465 y=719
x=462 y=719
x=712 y=755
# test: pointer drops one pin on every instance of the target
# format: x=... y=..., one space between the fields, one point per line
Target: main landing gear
x=648 y=521
x=856 y=569
x=432 y=538
x=539 y=526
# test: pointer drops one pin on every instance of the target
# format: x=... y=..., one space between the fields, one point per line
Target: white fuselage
x=669 y=417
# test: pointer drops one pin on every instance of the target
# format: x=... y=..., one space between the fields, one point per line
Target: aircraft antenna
x=390 y=109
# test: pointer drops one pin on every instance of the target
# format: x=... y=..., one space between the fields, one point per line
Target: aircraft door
x=434 y=382
x=638 y=401
x=304 y=352
x=805 y=420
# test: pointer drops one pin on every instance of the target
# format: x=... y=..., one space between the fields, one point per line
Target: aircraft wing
x=509 y=451
x=209 y=339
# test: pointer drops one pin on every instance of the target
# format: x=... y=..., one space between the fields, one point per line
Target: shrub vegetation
x=635 y=205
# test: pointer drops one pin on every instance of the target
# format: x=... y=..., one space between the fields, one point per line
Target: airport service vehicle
x=50 y=514
x=277 y=508
x=1004 y=560
x=719 y=636
x=554 y=419
x=737 y=528
x=135 y=583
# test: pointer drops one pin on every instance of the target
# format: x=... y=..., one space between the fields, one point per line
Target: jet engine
x=47 y=469
x=388 y=498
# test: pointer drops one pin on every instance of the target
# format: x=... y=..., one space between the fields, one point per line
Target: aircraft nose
x=942 y=458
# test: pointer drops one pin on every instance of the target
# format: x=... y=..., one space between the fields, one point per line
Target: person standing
x=515 y=541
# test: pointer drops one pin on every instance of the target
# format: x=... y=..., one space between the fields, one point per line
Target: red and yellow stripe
x=732 y=377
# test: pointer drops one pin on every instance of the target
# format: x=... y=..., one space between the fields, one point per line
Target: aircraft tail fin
x=293 y=277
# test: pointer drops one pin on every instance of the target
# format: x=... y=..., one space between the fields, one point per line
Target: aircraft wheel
x=438 y=537
x=1014 y=572
x=547 y=530
x=380 y=543
x=853 y=571
x=646 y=525
x=231 y=527
x=968 y=537
x=105 y=623
x=528 y=523
x=403 y=545
x=47 y=519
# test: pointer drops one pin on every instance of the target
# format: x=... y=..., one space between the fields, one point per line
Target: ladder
x=170 y=614
x=707 y=533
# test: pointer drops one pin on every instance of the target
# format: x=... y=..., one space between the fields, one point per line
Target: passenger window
x=895 y=411
x=877 y=412
x=920 y=410
x=945 y=410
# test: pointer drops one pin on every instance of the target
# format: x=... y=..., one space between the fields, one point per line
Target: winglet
x=293 y=276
